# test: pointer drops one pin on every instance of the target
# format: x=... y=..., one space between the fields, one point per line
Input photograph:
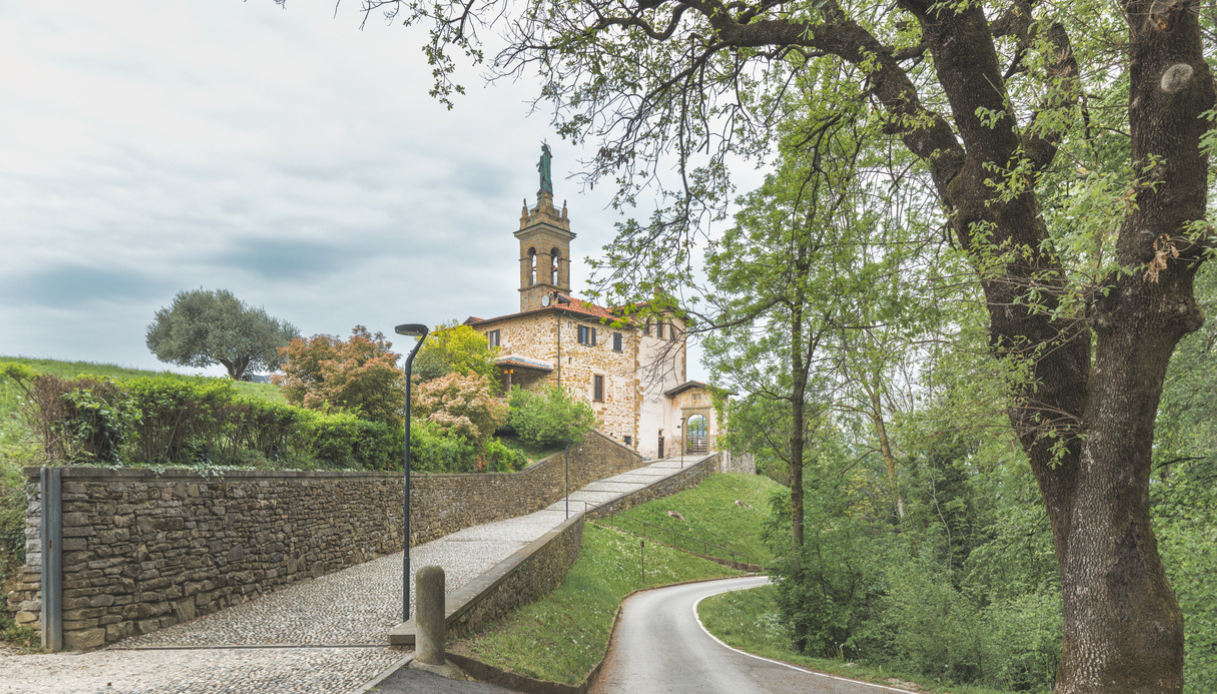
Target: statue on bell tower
x=547 y=181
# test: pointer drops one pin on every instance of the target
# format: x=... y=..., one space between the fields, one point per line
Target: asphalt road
x=661 y=648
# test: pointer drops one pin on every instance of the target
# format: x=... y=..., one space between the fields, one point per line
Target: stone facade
x=626 y=369
x=143 y=550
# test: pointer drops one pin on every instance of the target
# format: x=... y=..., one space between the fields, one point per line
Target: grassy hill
x=726 y=512
x=9 y=392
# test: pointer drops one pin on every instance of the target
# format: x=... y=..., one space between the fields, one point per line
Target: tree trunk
x=1089 y=434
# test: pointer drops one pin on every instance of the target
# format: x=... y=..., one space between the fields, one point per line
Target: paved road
x=661 y=648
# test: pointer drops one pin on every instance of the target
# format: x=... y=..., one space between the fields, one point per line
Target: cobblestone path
x=329 y=634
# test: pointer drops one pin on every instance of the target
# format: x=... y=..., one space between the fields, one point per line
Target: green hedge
x=170 y=419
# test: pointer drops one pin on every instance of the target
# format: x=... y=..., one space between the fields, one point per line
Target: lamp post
x=420 y=331
x=681 y=427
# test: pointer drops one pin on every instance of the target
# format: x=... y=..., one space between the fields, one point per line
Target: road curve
x=660 y=647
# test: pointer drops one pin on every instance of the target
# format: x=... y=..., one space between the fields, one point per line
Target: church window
x=659 y=330
x=532 y=265
x=493 y=338
x=598 y=388
x=555 y=256
x=587 y=336
x=616 y=342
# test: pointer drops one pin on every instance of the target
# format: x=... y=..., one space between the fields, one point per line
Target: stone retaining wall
x=540 y=567
x=143 y=549
x=688 y=478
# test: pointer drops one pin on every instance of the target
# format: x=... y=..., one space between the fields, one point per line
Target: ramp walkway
x=329 y=634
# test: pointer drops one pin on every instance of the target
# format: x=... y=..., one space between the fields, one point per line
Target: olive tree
x=204 y=327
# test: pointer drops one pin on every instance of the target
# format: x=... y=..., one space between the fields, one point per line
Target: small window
x=646 y=329
x=659 y=330
x=629 y=441
x=616 y=342
x=587 y=336
x=493 y=338
x=598 y=388
x=672 y=332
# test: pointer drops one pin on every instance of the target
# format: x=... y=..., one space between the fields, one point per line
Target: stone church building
x=632 y=372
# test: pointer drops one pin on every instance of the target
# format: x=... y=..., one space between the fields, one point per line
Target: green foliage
x=344 y=441
x=454 y=348
x=502 y=458
x=180 y=420
x=359 y=375
x=203 y=327
x=433 y=450
x=1185 y=521
x=549 y=417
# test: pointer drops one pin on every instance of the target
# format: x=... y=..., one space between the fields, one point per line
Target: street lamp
x=681 y=427
x=420 y=331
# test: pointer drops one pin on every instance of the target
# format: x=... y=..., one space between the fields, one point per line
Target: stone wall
x=143 y=549
x=688 y=478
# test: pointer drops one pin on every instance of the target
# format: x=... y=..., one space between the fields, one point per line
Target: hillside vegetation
x=565 y=634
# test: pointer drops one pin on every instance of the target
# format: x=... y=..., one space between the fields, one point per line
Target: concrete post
x=429 y=617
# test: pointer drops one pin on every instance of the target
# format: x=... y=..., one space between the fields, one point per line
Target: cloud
x=75 y=287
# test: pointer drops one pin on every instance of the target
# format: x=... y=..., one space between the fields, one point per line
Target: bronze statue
x=547 y=182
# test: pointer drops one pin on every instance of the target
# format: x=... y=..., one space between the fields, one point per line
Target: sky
x=153 y=146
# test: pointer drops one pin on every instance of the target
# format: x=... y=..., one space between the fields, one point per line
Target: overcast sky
x=150 y=146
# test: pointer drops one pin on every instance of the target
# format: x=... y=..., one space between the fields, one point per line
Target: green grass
x=564 y=635
x=749 y=620
x=711 y=515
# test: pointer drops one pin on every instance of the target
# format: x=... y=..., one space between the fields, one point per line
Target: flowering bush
x=461 y=405
x=359 y=376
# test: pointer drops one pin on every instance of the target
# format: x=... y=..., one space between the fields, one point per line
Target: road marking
x=778 y=662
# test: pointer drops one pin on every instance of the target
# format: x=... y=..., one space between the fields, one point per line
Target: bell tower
x=545 y=238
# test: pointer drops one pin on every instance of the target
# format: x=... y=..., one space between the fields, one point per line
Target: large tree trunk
x=1123 y=630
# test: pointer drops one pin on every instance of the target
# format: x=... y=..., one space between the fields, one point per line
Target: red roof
x=575 y=306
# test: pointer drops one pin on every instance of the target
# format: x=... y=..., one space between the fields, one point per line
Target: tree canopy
x=453 y=348
x=358 y=375
x=205 y=327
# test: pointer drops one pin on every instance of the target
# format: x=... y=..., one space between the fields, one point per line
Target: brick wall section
x=144 y=550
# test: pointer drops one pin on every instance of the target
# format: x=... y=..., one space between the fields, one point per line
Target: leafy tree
x=359 y=375
x=204 y=327
x=549 y=417
x=455 y=349
x=1065 y=145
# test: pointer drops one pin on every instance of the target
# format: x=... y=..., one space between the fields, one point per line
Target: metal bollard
x=429 y=617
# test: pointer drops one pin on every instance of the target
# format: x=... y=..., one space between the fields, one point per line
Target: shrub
x=359 y=375
x=76 y=420
x=271 y=429
x=550 y=416
x=432 y=450
x=463 y=405
x=182 y=420
x=345 y=441
x=503 y=458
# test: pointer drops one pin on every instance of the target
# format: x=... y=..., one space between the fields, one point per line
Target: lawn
x=726 y=512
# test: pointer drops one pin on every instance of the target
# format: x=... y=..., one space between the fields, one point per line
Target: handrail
x=745 y=557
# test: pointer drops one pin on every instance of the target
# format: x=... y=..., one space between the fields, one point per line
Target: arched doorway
x=697 y=440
